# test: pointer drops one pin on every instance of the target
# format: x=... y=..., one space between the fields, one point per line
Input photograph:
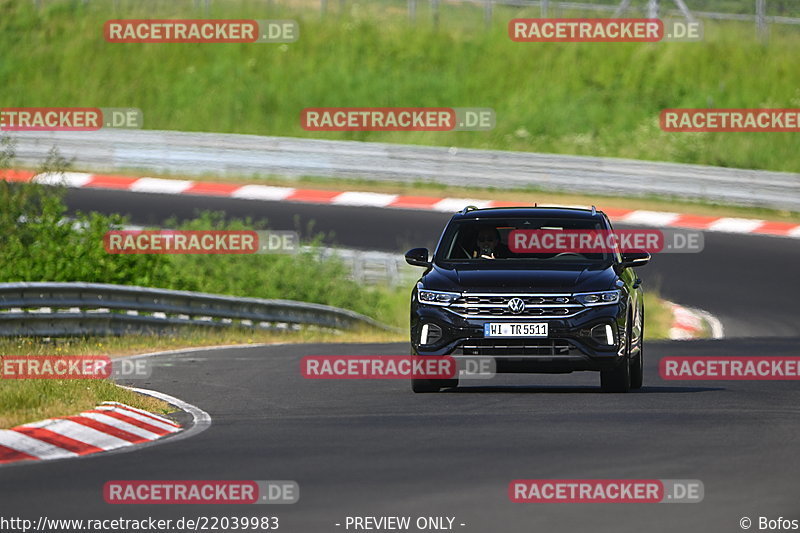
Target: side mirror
x=635 y=259
x=418 y=257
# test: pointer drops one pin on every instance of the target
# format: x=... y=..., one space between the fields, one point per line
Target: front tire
x=617 y=379
x=637 y=371
x=637 y=363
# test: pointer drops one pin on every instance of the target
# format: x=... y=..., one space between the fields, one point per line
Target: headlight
x=437 y=297
x=598 y=298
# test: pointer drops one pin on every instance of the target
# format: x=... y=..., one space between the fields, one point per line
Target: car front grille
x=516 y=347
x=497 y=305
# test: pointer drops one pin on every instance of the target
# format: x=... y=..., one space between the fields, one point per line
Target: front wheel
x=637 y=371
x=637 y=363
x=617 y=379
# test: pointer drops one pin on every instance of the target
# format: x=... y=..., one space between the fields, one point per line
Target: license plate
x=515 y=329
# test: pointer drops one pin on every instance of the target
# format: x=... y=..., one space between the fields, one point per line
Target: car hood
x=469 y=278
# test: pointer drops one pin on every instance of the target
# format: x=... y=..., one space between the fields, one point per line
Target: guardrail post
x=358 y=269
x=652 y=9
x=622 y=8
x=762 y=30
x=393 y=273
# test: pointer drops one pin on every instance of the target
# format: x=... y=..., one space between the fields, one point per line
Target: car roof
x=532 y=212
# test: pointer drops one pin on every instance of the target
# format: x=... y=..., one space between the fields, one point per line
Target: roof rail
x=468 y=208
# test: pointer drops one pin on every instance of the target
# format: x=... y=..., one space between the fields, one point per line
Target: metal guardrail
x=182 y=153
x=763 y=11
x=373 y=267
x=43 y=309
x=618 y=8
x=369 y=267
x=650 y=8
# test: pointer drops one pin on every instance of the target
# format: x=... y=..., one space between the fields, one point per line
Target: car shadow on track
x=526 y=389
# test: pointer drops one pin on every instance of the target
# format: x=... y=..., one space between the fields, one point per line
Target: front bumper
x=568 y=347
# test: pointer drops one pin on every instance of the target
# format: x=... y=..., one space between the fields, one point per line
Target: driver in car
x=488 y=245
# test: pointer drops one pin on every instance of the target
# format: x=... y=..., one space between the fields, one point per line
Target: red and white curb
x=372 y=199
x=689 y=323
x=109 y=426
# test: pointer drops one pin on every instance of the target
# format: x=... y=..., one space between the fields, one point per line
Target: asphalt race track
x=371 y=448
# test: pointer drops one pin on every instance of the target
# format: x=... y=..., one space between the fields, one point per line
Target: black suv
x=529 y=312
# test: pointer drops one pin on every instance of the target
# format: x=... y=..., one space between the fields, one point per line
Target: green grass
x=591 y=99
x=657 y=317
x=188 y=337
x=29 y=400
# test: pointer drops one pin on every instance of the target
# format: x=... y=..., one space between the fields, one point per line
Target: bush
x=38 y=243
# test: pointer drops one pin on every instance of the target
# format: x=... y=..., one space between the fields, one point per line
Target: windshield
x=487 y=240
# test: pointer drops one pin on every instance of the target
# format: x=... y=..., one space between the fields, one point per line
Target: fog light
x=603 y=334
x=430 y=334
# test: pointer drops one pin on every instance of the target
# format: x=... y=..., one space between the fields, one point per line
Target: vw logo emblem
x=516 y=305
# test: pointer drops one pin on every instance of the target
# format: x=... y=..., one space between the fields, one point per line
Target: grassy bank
x=593 y=99
x=23 y=401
